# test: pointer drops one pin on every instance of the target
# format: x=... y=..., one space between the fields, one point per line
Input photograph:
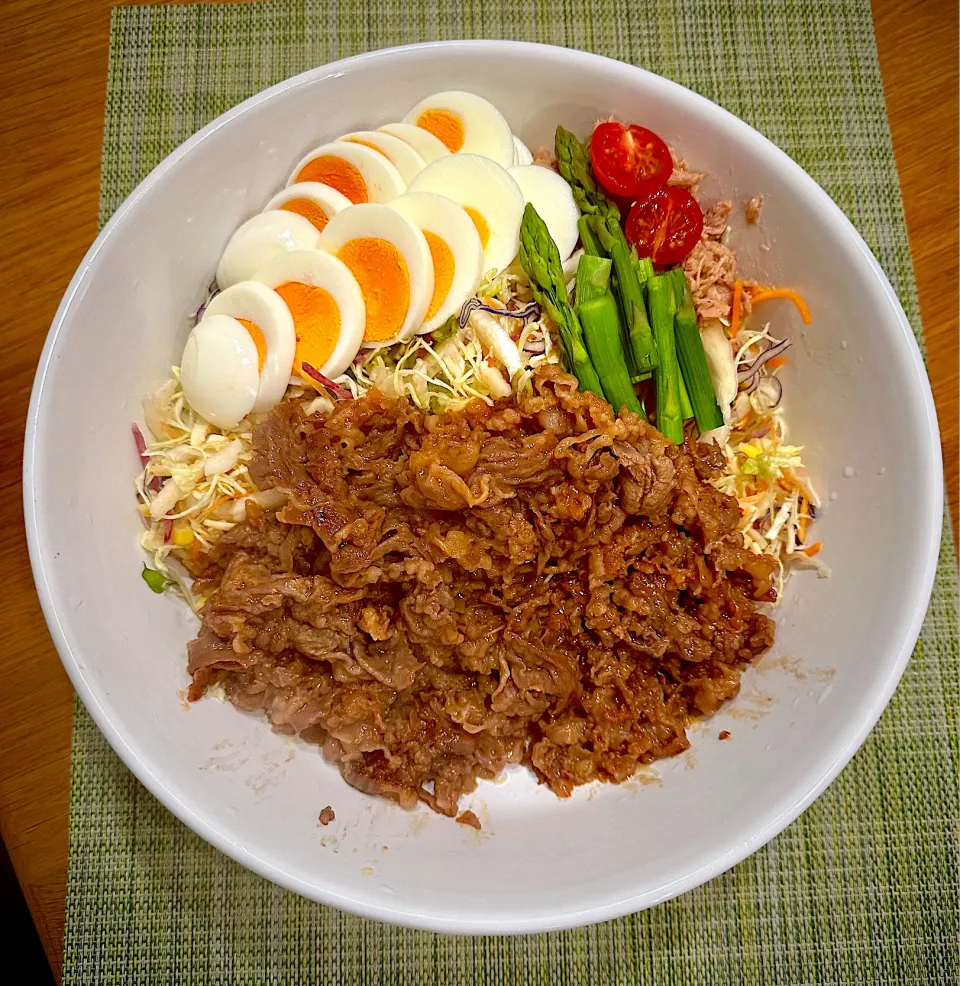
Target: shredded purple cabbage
x=525 y=314
x=155 y=483
x=750 y=371
x=213 y=289
x=141 y=443
x=341 y=393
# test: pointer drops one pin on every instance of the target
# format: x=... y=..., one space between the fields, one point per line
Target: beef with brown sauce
x=537 y=581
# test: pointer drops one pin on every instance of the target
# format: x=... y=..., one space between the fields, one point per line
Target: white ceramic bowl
x=857 y=397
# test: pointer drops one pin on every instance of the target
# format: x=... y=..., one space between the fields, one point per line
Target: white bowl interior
x=857 y=399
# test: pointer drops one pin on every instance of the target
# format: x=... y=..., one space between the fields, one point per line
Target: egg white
x=551 y=196
x=485 y=131
x=422 y=141
x=521 y=153
x=218 y=371
x=259 y=239
x=383 y=181
x=382 y=222
x=478 y=183
x=399 y=153
x=323 y=270
x=262 y=306
x=447 y=220
x=325 y=198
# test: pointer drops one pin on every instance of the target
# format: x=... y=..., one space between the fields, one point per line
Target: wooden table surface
x=52 y=89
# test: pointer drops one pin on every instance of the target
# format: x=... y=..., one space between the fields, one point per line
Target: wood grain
x=917 y=43
x=52 y=90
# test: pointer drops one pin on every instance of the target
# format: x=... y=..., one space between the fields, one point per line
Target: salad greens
x=157 y=581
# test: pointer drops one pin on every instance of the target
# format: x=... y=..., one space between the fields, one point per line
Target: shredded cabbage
x=196 y=481
x=766 y=475
x=490 y=358
x=203 y=475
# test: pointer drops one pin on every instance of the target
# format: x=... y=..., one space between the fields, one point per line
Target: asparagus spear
x=593 y=278
x=693 y=361
x=601 y=328
x=644 y=268
x=574 y=164
x=571 y=338
x=591 y=245
x=686 y=408
x=604 y=219
x=600 y=319
x=630 y=292
x=540 y=258
x=667 y=375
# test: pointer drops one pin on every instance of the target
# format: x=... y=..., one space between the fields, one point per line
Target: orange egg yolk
x=258 y=341
x=445 y=125
x=482 y=228
x=384 y=282
x=443 y=267
x=338 y=174
x=309 y=210
x=316 y=322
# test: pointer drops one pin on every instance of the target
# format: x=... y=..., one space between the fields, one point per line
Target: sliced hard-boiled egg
x=389 y=257
x=218 y=370
x=263 y=314
x=465 y=123
x=312 y=200
x=422 y=141
x=360 y=173
x=550 y=195
x=260 y=238
x=399 y=153
x=489 y=196
x=454 y=249
x=521 y=153
x=325 y=303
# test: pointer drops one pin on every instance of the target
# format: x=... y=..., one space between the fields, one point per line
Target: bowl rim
x=774 y=818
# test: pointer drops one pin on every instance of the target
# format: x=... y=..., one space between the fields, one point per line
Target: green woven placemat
x=862 y=889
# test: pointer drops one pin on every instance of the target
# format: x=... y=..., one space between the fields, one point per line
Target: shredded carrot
x=802 y=519
x=791 y=483
x=218 y=502
x=814 y=549
x=777 y=361
x=737 y=302
x=787 y=293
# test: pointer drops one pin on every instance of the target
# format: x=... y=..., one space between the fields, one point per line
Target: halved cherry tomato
x=665 y=226
x=629 y=162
